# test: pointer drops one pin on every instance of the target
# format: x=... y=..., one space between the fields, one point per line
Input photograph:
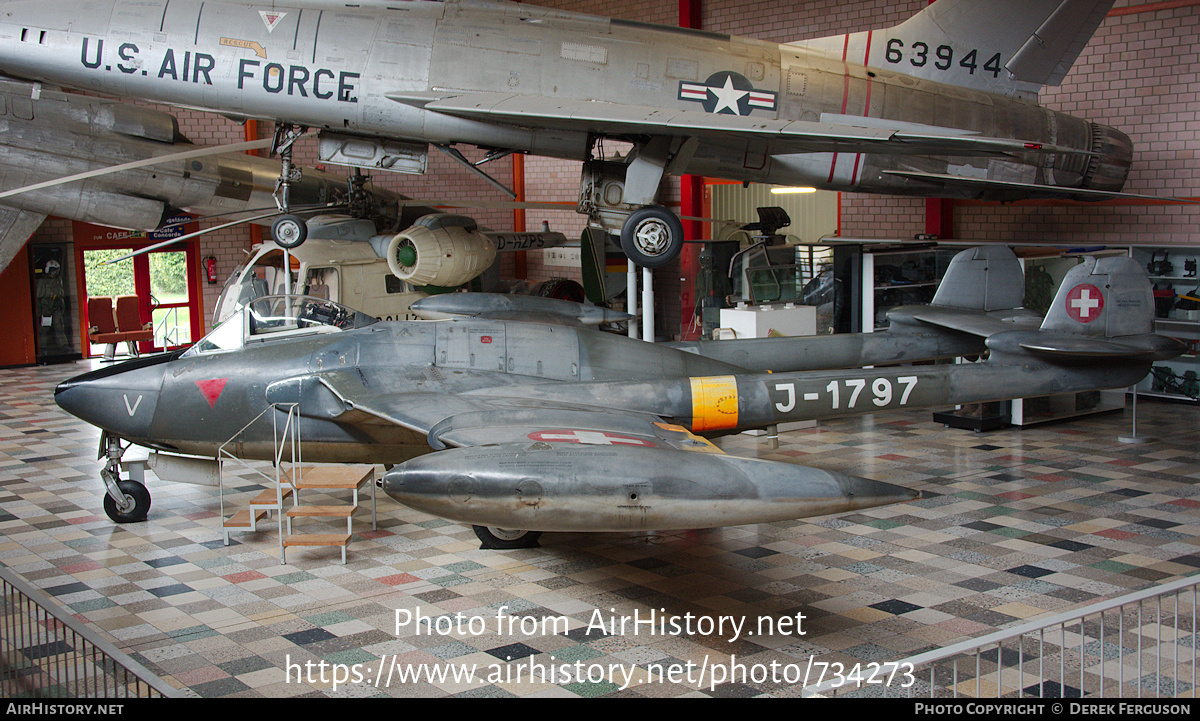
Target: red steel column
x=691 y=192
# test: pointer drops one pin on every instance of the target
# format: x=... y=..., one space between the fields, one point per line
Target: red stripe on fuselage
x=866 y=105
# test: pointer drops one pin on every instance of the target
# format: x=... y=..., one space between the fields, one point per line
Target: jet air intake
x=440 y=249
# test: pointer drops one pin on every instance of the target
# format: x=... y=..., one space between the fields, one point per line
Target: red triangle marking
x=212 y=389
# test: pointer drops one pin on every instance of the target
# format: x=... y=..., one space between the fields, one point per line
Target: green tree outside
x=113 y=279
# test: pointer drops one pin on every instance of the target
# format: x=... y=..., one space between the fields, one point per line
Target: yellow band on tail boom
x=714 y=403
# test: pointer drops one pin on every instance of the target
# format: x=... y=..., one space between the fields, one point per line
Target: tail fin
x=985 y=278
x=1001 y=46
x=1104 y=312
x=1103 y=298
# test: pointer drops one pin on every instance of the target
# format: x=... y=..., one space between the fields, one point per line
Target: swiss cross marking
x=592 y=438
x=1085 y=303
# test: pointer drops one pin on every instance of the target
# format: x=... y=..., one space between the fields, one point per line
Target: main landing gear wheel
x=504 y=538
x=652 y=236
x=289 y=231
x=137 y=495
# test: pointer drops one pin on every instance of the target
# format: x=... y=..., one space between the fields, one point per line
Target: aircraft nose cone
x=120 y=399
x=69 y=396
x=80 y=398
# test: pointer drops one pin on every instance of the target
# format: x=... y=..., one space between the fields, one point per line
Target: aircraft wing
x=973 y=323
x=16 y=225
x=513 y=463
x=798 y=135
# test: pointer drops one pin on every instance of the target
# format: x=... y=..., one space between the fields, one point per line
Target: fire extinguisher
x=210 y=269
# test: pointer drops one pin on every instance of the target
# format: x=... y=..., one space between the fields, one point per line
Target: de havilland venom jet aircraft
x=517 y=427
x=944 y=104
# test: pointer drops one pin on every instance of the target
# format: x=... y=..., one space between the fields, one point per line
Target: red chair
x=129 y=323
x=102 y=324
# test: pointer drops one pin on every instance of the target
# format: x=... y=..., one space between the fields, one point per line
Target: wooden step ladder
x=260 y=508
x=328 y=479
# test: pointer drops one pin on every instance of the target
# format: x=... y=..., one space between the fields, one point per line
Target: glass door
x=170 y=304
x=101 y=277
x=164 y=282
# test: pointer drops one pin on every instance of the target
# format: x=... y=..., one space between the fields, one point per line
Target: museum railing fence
x=1142 y=645
x=45 y=652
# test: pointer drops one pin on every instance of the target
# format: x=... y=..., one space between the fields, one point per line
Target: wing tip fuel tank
x=586 y=488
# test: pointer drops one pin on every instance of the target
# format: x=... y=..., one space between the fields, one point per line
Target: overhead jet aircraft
x=58 y=135
x=518 y=428
x=48 y=135
x=944 y=104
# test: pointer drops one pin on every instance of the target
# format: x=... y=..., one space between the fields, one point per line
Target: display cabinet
x=899 y=276
x=1028 y=411
x=976 y=417
x=1173 y=271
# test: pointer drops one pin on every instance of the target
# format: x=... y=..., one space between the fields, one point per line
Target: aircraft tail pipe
x=1108 y=169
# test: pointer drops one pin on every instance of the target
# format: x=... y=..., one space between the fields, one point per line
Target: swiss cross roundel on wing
x=591 y=438
x=1085 y=303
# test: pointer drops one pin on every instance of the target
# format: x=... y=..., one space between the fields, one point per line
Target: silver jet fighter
x=48 y=135
x=545 y=427
x=981 y=292
x=134 y=169
x=944 y=104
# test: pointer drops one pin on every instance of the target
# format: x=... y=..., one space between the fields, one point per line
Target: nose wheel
x=504 y=538
x=289 y=231
x=125 y=501
x=135 y=499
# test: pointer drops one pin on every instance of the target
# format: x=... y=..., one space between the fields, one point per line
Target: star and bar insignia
x=727 y=93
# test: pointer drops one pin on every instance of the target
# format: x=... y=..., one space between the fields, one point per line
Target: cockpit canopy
x=276 y=317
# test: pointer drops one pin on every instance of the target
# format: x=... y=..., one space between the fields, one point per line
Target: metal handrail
x=169 y=334
x=63 y=657
x=976 y=647
x=289 y=434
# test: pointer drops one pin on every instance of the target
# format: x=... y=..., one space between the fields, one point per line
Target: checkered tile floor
x=1015 y=524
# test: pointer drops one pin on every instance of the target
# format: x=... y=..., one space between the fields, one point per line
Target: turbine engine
x=440 y=249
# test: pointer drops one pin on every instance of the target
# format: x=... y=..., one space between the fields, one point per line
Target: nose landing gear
x=289 y=231
x=125 y=501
